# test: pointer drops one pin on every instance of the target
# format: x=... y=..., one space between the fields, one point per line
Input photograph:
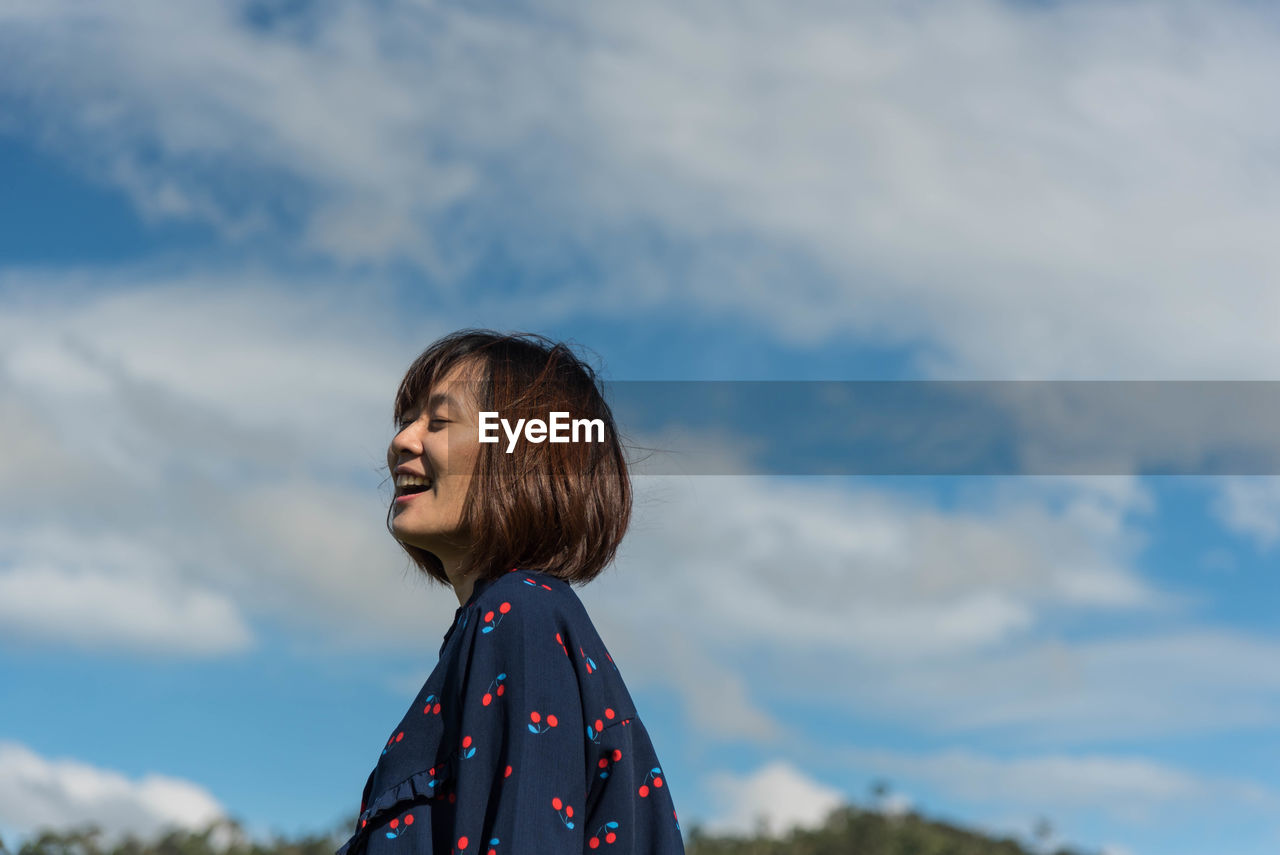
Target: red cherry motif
x=486 y=699
x=556 y=803
x=599 y=725
x=657 y=782
x=535 y=716
x=551 y=720
x=395 y=823
x=501 y=689
x=608 y=712
x=507 y=774
x=568 y=811
x=488 y=616
x=462 y=843
x=504 y=608
x=466 y=742
x=594 y=842
x=408 y=819
x=617 y=754
x=604 y=761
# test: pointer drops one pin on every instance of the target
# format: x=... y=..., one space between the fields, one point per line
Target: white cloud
x=38 y=792
x=1036 y=191
x=93 y=610
x=191 y=452
x=777 y=795
x=1132 y=789
x=1054 y=692
x=813 y=590
x=1250 y=506
x=815 y=565
x=85 y=589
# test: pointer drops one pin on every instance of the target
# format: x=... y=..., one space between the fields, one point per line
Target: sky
x=227 y=228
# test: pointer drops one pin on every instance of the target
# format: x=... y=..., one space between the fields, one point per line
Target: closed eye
x=404 y=423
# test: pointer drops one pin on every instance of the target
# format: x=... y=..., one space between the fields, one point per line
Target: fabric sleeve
x=520 y=757
x=630 y=810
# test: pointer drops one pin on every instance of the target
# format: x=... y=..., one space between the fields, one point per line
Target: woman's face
x=439 y=439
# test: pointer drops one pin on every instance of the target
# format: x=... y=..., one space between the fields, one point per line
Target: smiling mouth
x=410 y=490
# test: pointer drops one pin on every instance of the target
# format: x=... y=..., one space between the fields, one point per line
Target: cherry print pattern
x=607 y=761
x=655 y=774
x=593 y=733
x=491 y=623
x=535 y=722
x=399 y=826
x=565 y=811
x=495 y=690
x=514 y=781
x=607 y=832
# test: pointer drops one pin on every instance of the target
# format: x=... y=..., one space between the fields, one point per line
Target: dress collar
x=476 y=587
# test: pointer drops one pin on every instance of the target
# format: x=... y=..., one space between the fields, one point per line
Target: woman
x=524 y=739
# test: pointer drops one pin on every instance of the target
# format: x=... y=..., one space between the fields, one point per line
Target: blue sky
x=225 y=230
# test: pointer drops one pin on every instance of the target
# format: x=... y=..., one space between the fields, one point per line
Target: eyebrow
x=443 y=398
x=440 y=398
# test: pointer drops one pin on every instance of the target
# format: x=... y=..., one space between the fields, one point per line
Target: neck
x=463 y=581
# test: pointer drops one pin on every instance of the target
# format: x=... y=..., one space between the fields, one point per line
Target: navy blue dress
x=523 y=740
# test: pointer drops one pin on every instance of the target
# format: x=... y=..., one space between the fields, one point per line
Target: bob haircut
x=561 y=508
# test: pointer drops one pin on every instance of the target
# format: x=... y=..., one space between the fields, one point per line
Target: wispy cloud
x=1250 y=507
x=979 y=175
x=1133 y=789
x=63 y=587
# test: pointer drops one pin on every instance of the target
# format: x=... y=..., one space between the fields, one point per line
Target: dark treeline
x=848 y=830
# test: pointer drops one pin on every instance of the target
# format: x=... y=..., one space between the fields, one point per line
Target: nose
x=406 y=443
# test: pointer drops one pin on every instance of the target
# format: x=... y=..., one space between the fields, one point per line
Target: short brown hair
x=561 y=508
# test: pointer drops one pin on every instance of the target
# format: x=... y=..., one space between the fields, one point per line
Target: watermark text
x=560 y=428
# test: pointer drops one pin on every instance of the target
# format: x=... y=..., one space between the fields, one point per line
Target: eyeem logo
x=536 y=430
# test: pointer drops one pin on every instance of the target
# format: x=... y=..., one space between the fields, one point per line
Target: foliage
x=221 y=837
x=847 y=829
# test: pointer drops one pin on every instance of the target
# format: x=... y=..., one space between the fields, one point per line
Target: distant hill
x=848 y=830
